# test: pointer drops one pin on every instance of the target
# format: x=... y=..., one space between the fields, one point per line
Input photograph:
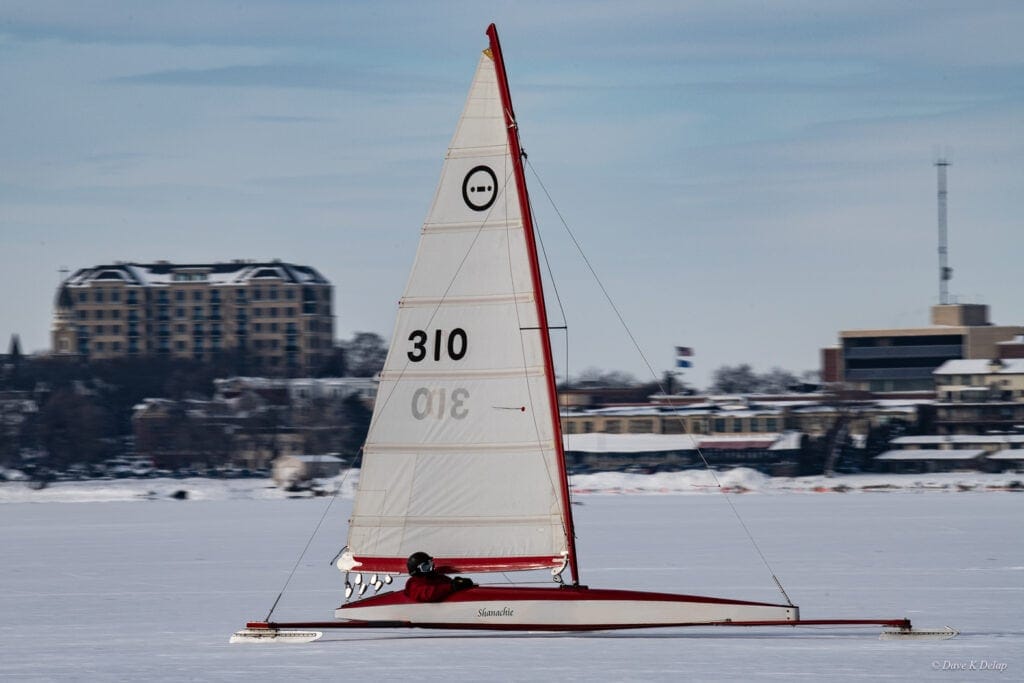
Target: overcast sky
x=748 y=178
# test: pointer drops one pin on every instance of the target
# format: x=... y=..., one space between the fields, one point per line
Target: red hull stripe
x=554 y=594
x=449 y=565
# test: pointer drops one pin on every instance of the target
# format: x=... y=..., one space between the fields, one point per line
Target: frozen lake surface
x=152 y=589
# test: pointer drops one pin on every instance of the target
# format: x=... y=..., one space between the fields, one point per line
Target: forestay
x=461 y=460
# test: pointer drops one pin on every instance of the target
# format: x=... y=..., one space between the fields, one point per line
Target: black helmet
x=419 y=563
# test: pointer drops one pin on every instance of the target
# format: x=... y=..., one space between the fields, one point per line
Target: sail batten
x=482 y=449
x=474 y=227
x=462 y=458
x=518 y=298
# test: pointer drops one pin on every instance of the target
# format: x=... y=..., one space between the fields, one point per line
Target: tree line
x=56 y=412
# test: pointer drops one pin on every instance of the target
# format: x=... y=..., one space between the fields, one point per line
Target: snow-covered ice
x=147 y=587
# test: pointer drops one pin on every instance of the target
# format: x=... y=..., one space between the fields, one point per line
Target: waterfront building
x=902 y=360
x=275 y=316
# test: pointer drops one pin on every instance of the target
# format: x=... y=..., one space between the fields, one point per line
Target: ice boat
x=464 y=457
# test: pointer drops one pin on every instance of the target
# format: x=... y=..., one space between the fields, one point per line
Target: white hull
x=566 y=609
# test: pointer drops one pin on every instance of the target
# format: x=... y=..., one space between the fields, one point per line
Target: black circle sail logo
x=480 y=188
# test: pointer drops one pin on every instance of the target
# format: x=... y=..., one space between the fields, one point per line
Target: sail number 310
x=455 y=343
x=438 y=402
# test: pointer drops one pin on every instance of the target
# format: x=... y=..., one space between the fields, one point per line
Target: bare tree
x=365 y=354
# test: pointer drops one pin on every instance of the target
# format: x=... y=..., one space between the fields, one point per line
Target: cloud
x=309 y=76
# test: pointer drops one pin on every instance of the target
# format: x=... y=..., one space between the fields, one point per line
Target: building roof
x=981 y=366
x=596 y=442
x=316 y=458
x=958 y=439
x=1008 y=454
x=926 y=454
x=628 y=443
x=163 y=273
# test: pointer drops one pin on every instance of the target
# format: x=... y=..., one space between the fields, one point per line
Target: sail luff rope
x=650 y=369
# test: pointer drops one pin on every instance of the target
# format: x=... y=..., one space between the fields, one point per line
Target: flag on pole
x=682 y=353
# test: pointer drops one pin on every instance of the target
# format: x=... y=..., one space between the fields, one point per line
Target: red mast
x=542 y=316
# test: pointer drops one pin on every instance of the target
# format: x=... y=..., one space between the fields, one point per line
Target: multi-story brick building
x=277 y=316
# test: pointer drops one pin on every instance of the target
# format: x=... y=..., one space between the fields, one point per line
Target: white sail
x=462 y=457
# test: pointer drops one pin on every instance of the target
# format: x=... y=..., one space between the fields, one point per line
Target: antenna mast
x=945 y=272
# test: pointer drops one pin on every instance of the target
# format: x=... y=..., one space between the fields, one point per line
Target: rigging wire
x=654 y=375
x=558 y=300
x=327 y=509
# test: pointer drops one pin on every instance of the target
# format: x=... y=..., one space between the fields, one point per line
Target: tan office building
x=276 y=316
x=893 y=360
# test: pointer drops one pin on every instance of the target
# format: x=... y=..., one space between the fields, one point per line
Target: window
x=257 y=294
x=641 y=426
x=99 y=314
x=257 y=327
x=116 y=314
x=99 y=329
x=98 y=296
x=179 y=312
x=257 y=312
x=115 y=296
x=289 y=294
x=771 y=424
x=737 y=424
x=588 y=426
x=719 y=424
x=273 y=294
x=273 y=312
x=612 y=426
x=273 y=327
x=179 y=295
x=83 y=297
